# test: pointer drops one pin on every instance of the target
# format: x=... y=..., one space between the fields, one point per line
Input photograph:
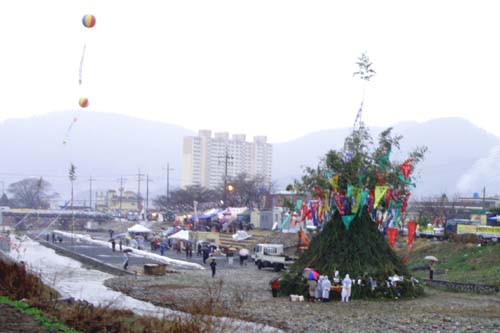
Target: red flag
x=412 y=228
x=318 y=192
x=405 y=203
x=391 y=235
x=338 y=201
x=406 y=168
x=388 y=197
x=380 y=177
x=407 y=256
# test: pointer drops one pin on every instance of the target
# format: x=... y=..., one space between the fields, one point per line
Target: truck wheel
x=259 y=264
x=277 y=267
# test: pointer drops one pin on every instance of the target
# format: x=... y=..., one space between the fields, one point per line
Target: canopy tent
x=210 y=213
x=139 y=229
x=183 y=235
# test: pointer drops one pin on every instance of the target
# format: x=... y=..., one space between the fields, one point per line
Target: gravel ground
x=246 y=293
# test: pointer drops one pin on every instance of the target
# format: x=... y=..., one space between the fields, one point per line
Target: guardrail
x=464 y=287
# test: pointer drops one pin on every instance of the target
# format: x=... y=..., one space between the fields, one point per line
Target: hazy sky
x=275 y=68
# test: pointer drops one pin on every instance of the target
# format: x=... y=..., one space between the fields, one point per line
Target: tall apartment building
x=204 y=158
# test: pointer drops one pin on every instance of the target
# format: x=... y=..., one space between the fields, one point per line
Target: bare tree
x=32 y=193
x=248 y=191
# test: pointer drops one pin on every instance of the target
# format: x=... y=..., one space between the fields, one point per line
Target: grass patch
x=37 y=314
x=458 y=262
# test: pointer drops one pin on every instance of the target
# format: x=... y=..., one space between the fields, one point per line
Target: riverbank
x=248 y=294
x=89 y=306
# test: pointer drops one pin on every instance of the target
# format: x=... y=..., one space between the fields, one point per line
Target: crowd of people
x=320 y=287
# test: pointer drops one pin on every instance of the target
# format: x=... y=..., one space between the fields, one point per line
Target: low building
x=118 y=205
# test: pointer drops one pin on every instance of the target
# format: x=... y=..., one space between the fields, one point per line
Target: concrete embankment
x=92 y=262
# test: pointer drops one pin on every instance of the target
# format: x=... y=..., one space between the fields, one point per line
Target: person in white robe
x=346 y=288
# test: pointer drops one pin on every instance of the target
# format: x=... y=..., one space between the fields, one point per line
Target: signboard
x=488 y=231
x=466 y=229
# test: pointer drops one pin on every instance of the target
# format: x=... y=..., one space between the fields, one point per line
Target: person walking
x=431 y=270
x=120 y=243
x=113 y=244
x=230 y=257
x=213 y=265
x=205 y=255
x=126 y=255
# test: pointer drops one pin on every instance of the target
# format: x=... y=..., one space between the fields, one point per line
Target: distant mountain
x=452 y=164
x=102 y=145
x=462 y=158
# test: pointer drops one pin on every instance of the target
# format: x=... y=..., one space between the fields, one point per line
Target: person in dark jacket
x=213 y=265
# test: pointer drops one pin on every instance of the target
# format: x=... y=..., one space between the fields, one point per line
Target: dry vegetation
x=18 y=284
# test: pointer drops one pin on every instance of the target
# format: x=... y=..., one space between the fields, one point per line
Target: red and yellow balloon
x=84 y=102
x=88 y=21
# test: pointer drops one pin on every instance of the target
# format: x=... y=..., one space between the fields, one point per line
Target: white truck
x=271 y=255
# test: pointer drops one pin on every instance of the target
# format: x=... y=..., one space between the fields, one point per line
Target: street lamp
x=227 y=189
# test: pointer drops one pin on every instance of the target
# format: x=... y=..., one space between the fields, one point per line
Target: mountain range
x=461 y=159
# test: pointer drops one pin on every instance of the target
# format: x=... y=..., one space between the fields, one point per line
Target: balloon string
x=66 y=136
x=81 y=65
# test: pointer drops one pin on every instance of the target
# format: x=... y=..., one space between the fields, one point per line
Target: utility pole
x=90 y=192
x=139 y=179
x=168 y=187
x=121 y=195
x=226 y=158
x=147 y=196
x=484 y=198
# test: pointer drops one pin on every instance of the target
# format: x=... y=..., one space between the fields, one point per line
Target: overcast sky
x=275 y=68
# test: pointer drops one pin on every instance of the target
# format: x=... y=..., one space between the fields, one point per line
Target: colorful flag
x=391 y=235
x=379 y=193
x=347 y=219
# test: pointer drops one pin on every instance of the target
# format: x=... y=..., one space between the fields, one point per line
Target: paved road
x=117 y=258
x=106 y=255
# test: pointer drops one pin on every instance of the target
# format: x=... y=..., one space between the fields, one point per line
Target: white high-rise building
x=204 y=158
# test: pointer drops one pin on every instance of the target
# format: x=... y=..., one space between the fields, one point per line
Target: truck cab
x=271 y=255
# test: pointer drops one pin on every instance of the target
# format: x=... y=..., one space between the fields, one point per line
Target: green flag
x=347 y=219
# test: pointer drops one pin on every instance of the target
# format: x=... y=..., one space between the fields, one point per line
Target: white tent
x=183 y=235
x=137 y=229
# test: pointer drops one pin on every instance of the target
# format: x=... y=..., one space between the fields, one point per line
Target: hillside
x=458 y=262
x=461 y=158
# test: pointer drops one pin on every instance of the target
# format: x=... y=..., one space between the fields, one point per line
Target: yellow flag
x=334 y=181
x=379 y=194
